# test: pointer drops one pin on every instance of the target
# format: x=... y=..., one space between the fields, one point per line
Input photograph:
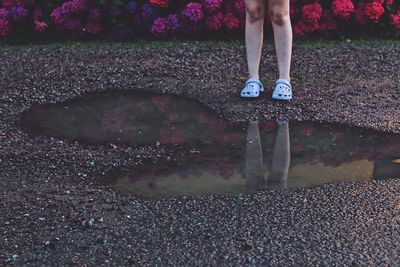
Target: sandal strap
x=283 y=82
x=254 y=81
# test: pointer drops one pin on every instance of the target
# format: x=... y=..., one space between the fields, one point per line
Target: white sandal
x=282 y=90
x=252 y=89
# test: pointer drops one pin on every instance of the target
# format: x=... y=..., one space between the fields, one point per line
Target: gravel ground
x=55 y=213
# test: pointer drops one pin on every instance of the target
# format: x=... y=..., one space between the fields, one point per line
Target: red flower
x=395 y=19
x=160 y=3
x=389 y=2
x=231 y=22
x=374 y=10
x=302 y=28
x=312 y=12
x=343 y=8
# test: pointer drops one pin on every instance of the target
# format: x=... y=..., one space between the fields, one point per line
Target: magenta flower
x=240 y=7
x=3 y=13
x=214 y=22
x=193 y=12
x=159 y=27
x=212 y=5
x=56 y=16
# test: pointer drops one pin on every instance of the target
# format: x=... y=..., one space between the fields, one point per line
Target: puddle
x=212 y=156
x=133 y=118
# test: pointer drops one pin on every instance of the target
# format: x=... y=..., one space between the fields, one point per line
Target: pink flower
x=343 y=8
x=56 y=16
x=212 y=5
x=395 y=20
x=374 y=10
x=240 y=7
x=193 y=12
x=40 y=26
x=312 y=13
x=3 y=13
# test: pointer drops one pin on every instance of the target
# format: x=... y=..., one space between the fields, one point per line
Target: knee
x=255 y=13
x=279 y=16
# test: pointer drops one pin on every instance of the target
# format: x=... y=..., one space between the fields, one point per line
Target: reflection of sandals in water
x=282 y=90
x=252 y=89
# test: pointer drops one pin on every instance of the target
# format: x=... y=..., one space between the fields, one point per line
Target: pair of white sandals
x=282 y=90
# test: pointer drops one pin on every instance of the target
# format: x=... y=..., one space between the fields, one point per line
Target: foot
x=282 y=90
x=252 y=89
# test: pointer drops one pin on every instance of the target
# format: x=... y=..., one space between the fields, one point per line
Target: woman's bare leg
x=279 y=13
x=255 y=13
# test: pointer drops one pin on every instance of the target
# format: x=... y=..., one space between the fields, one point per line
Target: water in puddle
x=211 y=155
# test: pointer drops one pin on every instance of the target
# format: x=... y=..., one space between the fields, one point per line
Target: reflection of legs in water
x=385 y=169
x=280 y=157
x=254 y=173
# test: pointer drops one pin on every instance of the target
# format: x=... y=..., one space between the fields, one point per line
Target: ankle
x=287 y=78
x=254 y=77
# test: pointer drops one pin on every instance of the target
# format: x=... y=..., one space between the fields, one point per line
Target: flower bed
x=165 y=18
